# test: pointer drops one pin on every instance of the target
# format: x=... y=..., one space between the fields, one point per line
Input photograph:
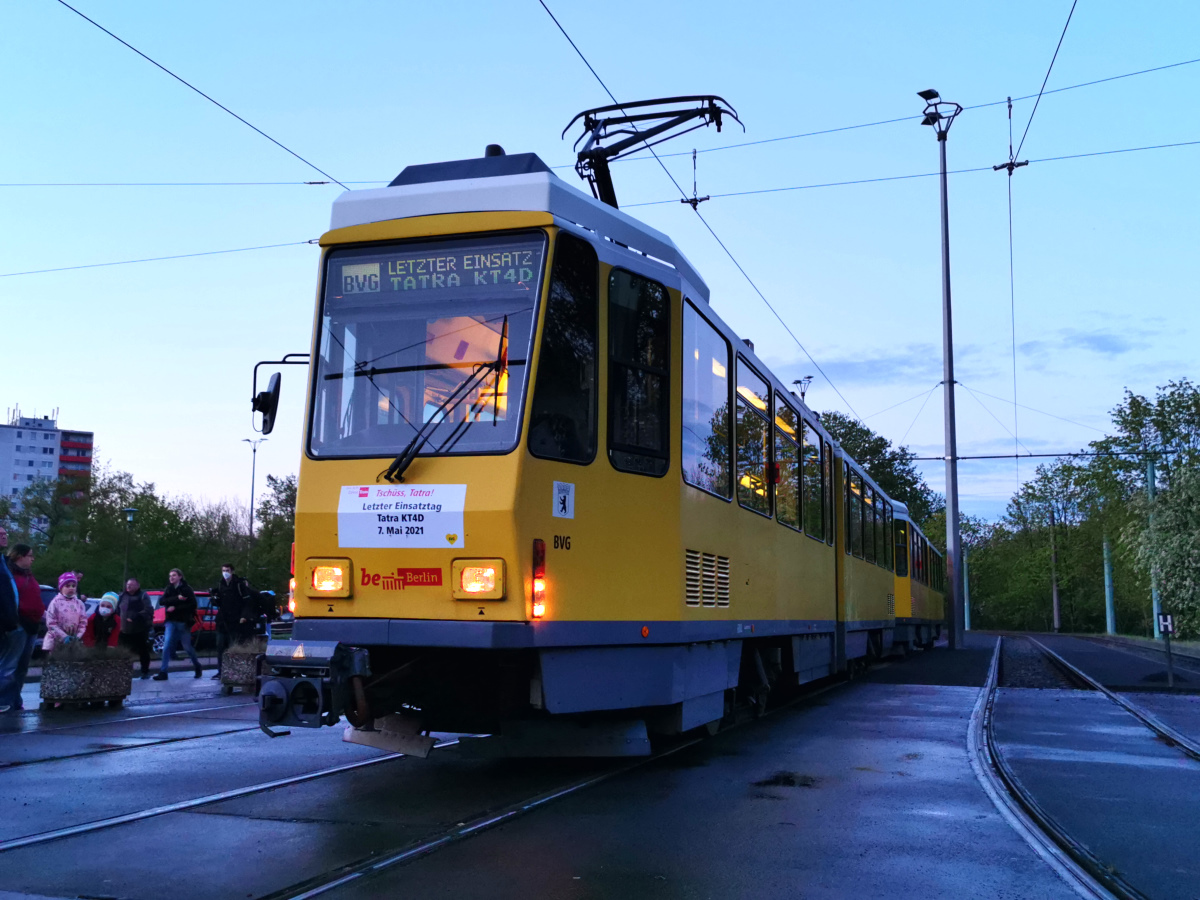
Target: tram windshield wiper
x=395 y=472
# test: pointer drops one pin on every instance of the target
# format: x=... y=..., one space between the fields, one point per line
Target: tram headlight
x=477 y=579
x=328 y=578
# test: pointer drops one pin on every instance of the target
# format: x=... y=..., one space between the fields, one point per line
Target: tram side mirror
x=267 y=403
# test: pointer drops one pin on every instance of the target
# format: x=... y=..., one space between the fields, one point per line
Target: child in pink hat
x=66 y=616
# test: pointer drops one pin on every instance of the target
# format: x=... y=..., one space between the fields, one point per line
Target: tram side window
x=827 y=492
x=753 y=440
x=847 y=496
x=901 y=532
x=869 y=510
x=856 y=514
x=881 y=533
x=639 y=389
x=886 y=536
x=787 y=465
x=562 y=421
x=706 y=417
x=813 y=503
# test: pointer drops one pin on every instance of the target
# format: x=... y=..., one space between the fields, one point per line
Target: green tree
x=891 y=467
x=1166 y=540
x=271 y=556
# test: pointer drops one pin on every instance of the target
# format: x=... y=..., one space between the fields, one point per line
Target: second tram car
x=545 y=488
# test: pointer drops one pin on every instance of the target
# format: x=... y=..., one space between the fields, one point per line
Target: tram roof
x=520 y=182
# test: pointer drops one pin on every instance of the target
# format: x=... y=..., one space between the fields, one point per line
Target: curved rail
x=1151 y=721
x=1017 y=806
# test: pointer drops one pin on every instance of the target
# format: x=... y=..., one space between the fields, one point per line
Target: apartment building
x=34 y=448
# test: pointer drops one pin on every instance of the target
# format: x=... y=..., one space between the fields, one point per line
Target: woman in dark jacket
x=30 y=609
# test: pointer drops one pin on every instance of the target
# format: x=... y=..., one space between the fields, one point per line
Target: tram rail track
x=58 y=834
x=148 y=742
x=122 y=719
x=1087 y=873
x=1147 y=718
x=381 y=861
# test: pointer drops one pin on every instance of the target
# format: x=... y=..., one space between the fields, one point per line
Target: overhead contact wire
x=217 y=103
x=1012 y=300
x=683 y=194
x=1049 y=69
x=806 y=134
x=1041 y=411
x=126 y=262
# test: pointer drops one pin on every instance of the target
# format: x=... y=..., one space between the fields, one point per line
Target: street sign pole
x=1166 y=624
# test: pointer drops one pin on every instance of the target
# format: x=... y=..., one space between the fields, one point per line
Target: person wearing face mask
x=236 y=611
x=66 y=616
x=104 y=626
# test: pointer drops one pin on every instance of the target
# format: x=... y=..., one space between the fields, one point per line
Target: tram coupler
x=308 y=683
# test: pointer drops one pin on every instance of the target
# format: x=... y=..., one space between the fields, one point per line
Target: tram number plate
x=402 y=515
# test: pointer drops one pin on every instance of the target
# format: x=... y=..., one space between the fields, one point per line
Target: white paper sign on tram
x=397 y=516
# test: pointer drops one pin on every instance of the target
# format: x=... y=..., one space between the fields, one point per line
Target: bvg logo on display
x=360 y=279
x=403 y=578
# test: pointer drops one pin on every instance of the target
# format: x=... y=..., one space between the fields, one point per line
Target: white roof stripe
x=533 y=192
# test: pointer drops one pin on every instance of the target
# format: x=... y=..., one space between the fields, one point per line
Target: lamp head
x=928 y=96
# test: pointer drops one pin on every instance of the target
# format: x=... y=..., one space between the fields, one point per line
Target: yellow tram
x=547 y=494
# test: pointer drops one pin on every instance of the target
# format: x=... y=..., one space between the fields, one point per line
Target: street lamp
x=130 y=512
x=253 y=463
x=940 y=115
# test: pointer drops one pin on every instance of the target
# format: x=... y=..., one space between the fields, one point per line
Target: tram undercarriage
x=557 y=701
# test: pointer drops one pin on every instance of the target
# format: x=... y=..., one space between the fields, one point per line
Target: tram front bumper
x=307 y=683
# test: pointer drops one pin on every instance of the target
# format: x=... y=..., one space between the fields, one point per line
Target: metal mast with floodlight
x=940 y=115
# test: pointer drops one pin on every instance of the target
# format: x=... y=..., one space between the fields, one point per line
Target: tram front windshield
x=432 y=335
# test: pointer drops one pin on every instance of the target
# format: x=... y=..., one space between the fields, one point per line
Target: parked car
x=204 y=631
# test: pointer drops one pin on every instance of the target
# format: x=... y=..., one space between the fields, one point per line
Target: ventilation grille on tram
x=891 y=605
x=706 y=579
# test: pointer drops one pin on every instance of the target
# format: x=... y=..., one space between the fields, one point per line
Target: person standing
x=30 y=611
x=179 y=601
x=12 y=636
x=137 y=618
x=66 y=616
x=236 y=611
x=104 y=626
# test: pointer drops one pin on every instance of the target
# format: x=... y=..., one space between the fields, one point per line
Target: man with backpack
x=237 y=611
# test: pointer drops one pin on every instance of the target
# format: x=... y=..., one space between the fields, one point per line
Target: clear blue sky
x=156 y=358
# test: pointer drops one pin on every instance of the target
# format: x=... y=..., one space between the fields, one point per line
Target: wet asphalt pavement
x=863 y=791
x=1113 y=784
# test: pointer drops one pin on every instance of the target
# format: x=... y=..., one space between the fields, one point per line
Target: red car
x=203 y=631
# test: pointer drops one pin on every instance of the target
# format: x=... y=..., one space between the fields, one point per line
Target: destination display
x=402 y=515
x=485 y=268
